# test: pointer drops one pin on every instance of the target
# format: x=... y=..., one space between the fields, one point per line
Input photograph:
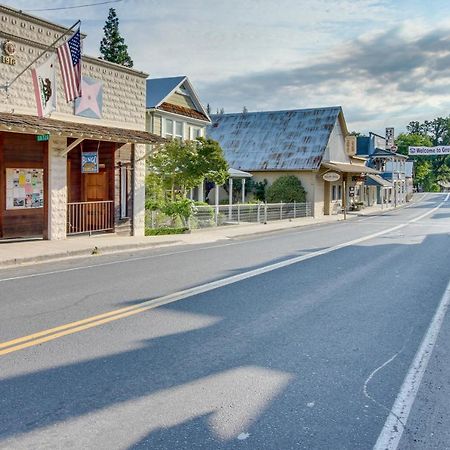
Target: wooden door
x=95 y=187
x=98 y=216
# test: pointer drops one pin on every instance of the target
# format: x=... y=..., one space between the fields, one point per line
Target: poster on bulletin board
x=24 y=188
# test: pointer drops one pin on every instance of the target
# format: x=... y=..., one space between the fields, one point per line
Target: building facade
x=306 y=143
x=45 y=188
x=397 y=186
x=174 y=111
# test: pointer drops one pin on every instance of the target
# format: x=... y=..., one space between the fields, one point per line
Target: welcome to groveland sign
x=429 y=151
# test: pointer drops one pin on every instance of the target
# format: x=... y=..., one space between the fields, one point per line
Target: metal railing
x=88 y=217
x=210 y=216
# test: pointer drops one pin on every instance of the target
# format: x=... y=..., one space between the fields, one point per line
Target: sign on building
x=9 y=51
x=390 y=139
x=350 y=145
x=430 y=151
x=379 y=142
x=331 y=176
x=89 y=162
x=24 y=188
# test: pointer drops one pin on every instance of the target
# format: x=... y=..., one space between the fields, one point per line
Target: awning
x=378 y=181
x=349 y=168
x=34 y=125
x=236 y=173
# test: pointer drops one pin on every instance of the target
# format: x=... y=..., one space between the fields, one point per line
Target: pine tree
x=112 y=46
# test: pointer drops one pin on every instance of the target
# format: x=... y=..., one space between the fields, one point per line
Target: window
x=173 y=129
x=336 y=192
x=182 y=90
x=195 y=132
x=169 y=129
x=178 y=130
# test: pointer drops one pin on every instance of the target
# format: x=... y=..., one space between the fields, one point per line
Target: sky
x=386 y=62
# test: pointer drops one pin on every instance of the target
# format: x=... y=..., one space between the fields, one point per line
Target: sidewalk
x=35 y=251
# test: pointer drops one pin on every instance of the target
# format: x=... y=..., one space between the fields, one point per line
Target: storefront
x=81 y=169
x=50 y=188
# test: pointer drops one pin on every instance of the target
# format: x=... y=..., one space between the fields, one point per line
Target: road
x=304 y=339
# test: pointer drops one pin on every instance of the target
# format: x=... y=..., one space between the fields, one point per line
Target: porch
x=44 y=191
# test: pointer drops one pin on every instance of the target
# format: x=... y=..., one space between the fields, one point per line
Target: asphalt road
x=297 y=339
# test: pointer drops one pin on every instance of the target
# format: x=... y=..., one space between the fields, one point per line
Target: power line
x=73 y=7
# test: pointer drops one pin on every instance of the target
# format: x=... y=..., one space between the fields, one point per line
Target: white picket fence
x=211 y=216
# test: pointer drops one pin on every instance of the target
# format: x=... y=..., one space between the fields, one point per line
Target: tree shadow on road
x=320 y=326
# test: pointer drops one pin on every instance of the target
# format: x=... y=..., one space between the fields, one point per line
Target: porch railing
x=211 y=216
x=88 y=217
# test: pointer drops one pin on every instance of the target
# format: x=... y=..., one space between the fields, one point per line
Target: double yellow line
x=40 y=337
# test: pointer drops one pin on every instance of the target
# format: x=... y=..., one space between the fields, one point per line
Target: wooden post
x=344 y=197
x=230 y=198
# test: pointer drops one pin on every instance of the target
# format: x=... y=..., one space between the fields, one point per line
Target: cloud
x=383 y=66
x=385 y=74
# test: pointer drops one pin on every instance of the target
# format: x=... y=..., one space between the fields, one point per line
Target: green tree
x=404 y=141
x=112 y=46
x=287 y=188
x=179 y=166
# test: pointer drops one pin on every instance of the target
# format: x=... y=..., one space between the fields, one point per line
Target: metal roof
x=235 y=173
x=159 y=88
x=349 y=168
x=377 y=180
x=275 y=140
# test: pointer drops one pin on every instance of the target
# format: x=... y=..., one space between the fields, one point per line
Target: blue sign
x=89 y=162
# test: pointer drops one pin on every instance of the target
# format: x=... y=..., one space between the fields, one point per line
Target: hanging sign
x=89 y=162
x=439 y=150
x=331 y=176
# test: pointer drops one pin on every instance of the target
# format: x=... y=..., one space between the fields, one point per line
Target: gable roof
x=276 y=140
x=159 y=89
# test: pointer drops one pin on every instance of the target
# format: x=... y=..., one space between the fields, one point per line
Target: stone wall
x=123 y=88
x=57 y=188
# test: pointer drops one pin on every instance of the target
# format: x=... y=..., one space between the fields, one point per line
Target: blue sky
x=385 y=62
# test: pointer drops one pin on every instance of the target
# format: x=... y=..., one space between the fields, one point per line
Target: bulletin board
x=24 y=188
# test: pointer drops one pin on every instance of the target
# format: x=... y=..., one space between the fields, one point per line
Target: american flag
x=69 y=55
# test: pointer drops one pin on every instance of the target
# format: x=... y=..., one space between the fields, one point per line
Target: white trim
x=170 y=93
x=193 y=95
x=187 y=118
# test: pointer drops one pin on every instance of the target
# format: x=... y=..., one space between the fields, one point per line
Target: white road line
x=186 y=293
x=91 y=266
x=392 y=431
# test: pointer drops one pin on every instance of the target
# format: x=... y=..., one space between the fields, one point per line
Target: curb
x=98 y=250
x=85 y=252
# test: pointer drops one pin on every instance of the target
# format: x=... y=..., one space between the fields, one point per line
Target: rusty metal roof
x=275 y=140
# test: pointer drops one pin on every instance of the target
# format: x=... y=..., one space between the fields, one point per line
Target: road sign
x=430 y=151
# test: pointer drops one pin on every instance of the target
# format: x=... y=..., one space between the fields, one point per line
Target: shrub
x=164 y=230
x=287 y=189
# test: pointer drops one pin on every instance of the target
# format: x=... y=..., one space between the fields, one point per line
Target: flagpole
x=9 y=83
